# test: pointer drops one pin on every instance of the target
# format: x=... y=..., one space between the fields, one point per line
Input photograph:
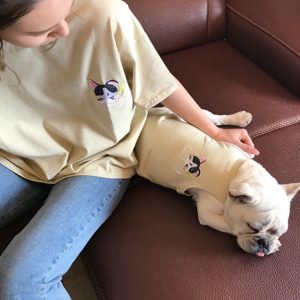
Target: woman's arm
x=182 y=103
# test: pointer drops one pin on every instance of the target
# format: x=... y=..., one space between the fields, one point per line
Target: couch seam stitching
x=97 y=285
x=275 y=127
x=207 y=19
x=271 y=35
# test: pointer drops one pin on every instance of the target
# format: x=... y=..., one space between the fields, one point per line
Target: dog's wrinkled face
x=258 y=209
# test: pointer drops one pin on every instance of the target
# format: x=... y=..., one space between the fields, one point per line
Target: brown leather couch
x=230 y=55
x=234 y=55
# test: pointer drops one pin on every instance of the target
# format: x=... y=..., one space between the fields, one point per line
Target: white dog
x=233 y=193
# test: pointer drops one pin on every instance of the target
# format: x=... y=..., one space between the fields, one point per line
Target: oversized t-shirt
x=177 y=155
x=79 y=107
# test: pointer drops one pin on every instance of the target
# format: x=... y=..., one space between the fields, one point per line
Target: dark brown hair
x=10 y=12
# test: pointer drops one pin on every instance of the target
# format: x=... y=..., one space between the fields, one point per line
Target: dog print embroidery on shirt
x=108 y=92
x=192 y=164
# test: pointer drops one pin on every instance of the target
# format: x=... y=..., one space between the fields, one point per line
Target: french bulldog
x=233 y=193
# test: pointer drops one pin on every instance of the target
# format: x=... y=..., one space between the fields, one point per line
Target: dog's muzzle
x=258 y=244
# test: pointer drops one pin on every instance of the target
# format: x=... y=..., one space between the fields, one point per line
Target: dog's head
x=258 y=208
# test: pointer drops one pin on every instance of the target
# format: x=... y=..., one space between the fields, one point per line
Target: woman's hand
x=238 y=137
x=182 y=103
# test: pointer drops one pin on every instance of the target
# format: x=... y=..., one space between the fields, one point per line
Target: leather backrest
x=176 y=24
x=267 y=31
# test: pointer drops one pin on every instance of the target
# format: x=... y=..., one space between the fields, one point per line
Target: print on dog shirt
x=192 y=164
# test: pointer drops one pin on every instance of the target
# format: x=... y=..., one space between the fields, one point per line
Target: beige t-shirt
x=177 y=155
x=79 y=107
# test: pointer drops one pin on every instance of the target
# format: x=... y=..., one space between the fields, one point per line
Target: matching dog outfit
x=177 y=155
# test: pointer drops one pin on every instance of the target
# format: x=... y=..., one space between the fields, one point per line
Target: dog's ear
x=244 y=199
x=291 y=189
x=243 y=193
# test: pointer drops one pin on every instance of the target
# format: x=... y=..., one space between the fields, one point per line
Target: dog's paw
x=241 y=119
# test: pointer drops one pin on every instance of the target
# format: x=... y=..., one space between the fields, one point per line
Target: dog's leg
x=241 y=118
x=210 y=211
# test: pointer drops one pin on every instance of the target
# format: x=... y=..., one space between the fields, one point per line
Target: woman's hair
x=10 y=12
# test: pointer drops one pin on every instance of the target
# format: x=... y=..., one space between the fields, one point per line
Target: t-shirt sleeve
x=149 y=79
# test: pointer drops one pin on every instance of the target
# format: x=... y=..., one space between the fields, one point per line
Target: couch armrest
x=267 y=31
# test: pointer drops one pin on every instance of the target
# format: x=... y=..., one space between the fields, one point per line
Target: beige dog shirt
x=177 y=155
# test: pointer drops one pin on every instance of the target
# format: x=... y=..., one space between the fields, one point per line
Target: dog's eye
x=252 y=228
x=272 y=231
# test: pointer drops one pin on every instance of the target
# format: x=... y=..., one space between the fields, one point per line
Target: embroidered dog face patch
x=192 y=164
x=108 y=92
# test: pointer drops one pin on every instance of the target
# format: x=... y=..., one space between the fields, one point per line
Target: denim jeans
x=33 y=264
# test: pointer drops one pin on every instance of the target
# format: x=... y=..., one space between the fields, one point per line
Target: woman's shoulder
x=100 y=10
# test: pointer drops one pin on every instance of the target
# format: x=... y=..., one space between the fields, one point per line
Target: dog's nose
x=262 y=244
x=262 y=248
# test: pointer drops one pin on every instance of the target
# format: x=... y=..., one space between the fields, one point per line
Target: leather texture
x=223 y=80
x=153 y=246
x=267 y=31
x=173 y=25
x=243 y=56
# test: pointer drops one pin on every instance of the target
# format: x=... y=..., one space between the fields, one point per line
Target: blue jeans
x=33 y=264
